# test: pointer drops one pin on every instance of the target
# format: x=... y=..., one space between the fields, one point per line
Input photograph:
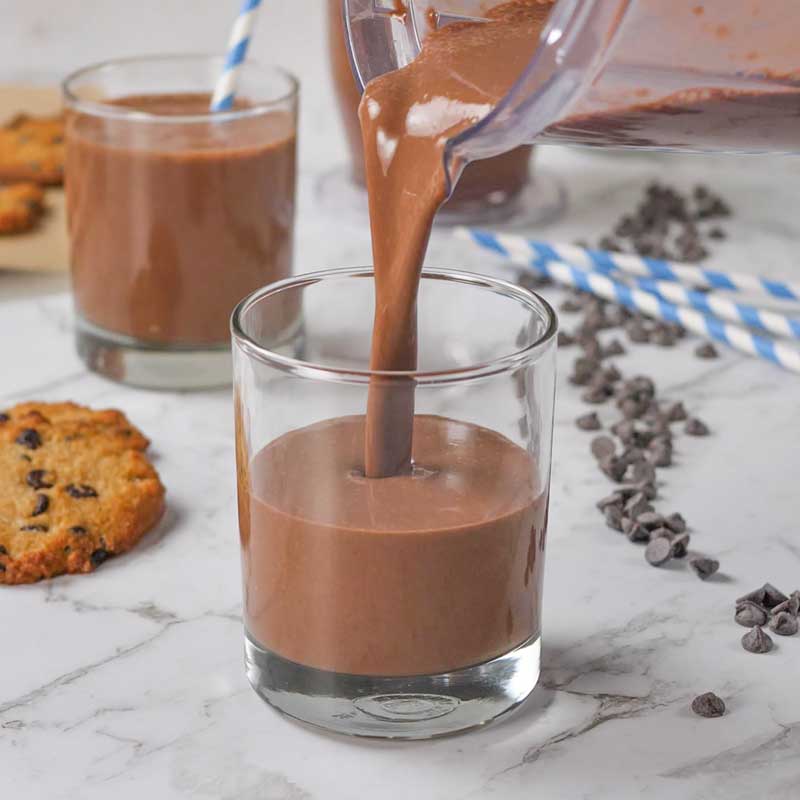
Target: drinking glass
x=175 y=213
x=406 y=606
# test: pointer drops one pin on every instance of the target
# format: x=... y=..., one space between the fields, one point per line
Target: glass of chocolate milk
x=408 y=605
x=175 y=213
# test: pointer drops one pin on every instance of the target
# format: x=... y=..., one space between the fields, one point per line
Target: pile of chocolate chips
x=669 y=225
x=767 y=606
x=638 y=443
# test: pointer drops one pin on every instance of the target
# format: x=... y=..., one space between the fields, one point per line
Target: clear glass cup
x=175 y=213
x=408 y=606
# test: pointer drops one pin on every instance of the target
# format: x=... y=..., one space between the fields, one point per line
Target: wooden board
x=46 y=247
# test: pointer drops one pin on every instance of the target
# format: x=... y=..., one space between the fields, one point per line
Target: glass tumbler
x=407 y=606
x=175 y=213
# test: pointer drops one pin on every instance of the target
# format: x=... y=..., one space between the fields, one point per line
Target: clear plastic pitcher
x=693 y=75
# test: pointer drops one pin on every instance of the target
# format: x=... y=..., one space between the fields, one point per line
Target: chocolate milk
x=406 y=117
x=416 y=574
x=491 y=182
x=764 y=121
x=171 y=224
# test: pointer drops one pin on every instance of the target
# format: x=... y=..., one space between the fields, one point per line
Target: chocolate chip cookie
x=21 y=205
x=75 y=489
x=32 y=149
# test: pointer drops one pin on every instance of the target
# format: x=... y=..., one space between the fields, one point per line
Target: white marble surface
x=129 y=682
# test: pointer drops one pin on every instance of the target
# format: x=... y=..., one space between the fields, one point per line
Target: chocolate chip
x=592 y=348
x=696 y=427
x=582 y=371
x=767 y=596
x=749 y=614
x=614 y=348
x=613 y=515
x=99 y=556
x=706 y=350
x=607 y=243
x=36 y=479
x=772 y=596
x=35 y=528
x=637 y=533
x=631 y=408
x=680 y=545
x=78 y=530
x=572 y=305
x=4 y=418
x=661 y=456
x=614 y=467
x=613 y=499
x=603 y=447
x=784 y=624
x=41 y=505
x=637 y=332
x=80 y=491
x=675 y=412
x=589 y=422
x=3 y=551
x=650 y=520
x=29 y=437
x=756 y=641
x=663 y=337
x=717 y=233
x=658 y=551
x=704 y=568
x=643 y=472
x=625 y=430
x=708 y=705
x=633 y=456
x=648 y=489
x=790 y=606
x=637 y=505
x=565 y=339
x=675 y=522
x=641 y=386
x=597 y=394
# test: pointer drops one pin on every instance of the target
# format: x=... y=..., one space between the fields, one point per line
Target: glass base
x=414 y=707
x=152 y=366
x=163 y=366
x=542 y=201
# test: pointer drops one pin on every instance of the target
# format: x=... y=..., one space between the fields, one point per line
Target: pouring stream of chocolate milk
x=406 y=118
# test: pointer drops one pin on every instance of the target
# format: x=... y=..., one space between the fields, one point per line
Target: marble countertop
x=129 y=682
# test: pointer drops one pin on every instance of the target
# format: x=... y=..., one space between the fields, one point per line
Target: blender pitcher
x=693 y=75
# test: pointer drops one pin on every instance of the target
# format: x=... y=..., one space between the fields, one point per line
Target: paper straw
x=646 y=303
x=225 y=88
x=711 y=303
x=518 y=250
x=609 y=263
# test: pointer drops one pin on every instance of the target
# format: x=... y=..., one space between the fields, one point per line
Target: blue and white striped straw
x=711 y=303
x=522 y=251
x=646 y=303
x=609 y=263
x=225 y=88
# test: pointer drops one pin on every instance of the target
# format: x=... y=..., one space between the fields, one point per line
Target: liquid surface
x=697 y=119
x=414 y=574
x=171 y=224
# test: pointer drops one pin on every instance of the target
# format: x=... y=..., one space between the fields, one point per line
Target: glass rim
x=103 y=109
x=306 y=369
